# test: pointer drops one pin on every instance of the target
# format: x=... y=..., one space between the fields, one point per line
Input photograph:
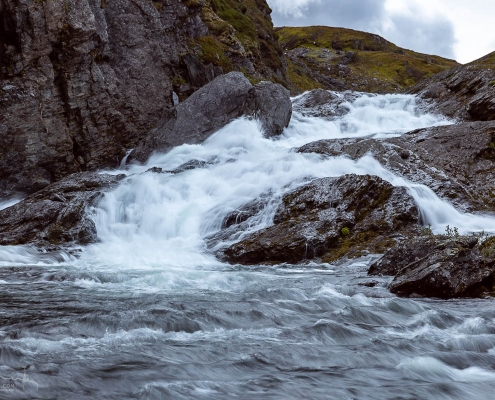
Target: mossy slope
x=339 y=58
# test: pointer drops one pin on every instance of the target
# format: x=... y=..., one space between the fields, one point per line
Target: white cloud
x=451 y=28
x=295 y=8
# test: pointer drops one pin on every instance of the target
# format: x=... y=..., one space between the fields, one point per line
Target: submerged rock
x=209 y=109
x=440 y=266
x=56 y=215
x=329 y=218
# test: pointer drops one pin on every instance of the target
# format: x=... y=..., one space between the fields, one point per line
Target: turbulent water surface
x=150 y=313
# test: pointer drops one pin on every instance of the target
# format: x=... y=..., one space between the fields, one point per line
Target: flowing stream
x=150 y=313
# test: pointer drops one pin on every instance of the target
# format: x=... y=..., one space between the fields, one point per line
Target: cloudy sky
x=460 y=29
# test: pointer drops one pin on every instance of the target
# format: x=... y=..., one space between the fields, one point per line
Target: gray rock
x=457 y=161
x=465 y=93
x=328 y=219
x=323 y=103
x=226 y=98
x=56 y=215
x=440 y=266
x=85 y=80
x=271 y=105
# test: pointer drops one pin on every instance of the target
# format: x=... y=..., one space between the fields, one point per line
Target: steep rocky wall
x=81 y=81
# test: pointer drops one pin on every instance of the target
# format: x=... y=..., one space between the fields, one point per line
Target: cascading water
x=149 y=312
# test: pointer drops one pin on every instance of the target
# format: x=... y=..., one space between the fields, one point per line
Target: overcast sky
x=460 y=29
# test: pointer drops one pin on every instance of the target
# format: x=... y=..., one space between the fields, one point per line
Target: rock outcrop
x=328 y=219
x=456 y=161
x=440 y=266
x=465 y=93
x=212 y=107
x=56 y=215
x=81 y=81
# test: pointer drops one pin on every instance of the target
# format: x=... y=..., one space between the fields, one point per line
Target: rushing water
x=150 y=313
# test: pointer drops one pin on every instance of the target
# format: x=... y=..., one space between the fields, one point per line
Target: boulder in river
x=209 y=109
x=440 y=266
x=328 y=219
x=57 y=214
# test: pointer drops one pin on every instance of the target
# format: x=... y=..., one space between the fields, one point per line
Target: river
x=149 y=312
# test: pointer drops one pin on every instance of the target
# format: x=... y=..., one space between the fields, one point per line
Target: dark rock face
x=80 y=81
x=328 y=218
x=440 y=266
x=324 y=104
x=465 y=92
x=56 y=215
x=215 y=105
x=457 y=161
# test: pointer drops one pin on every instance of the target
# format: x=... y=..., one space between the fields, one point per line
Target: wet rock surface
x=56 y=215
x=465 y=93
x=440 y=266
x=329 y=218
x=209 y=109
x=456 y=161
x=323 y=103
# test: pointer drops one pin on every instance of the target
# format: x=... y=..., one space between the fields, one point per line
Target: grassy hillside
x=487 y=61
x=339 y=58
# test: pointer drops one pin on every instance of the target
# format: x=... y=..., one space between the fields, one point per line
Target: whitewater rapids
x=150 y=313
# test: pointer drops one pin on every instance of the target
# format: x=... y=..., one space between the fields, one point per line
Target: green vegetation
x=492 y=83
x=345 y=231
x=376 y=64
x=240 y=30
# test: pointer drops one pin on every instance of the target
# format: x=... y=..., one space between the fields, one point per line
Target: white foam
x=432 y=370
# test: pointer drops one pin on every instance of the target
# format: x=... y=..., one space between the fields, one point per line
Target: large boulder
x=440 y=266
x=456 y=161
x=226 y=98
x=328 y=219
x=56 y=215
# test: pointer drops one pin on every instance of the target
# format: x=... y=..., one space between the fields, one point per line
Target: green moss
x=213 y=51
x=492 y=83
x=345 y=231
x=158 y=6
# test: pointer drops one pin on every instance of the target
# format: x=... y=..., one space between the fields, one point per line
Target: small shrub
x=452 y=232
x=345 y=231
x=427 y=231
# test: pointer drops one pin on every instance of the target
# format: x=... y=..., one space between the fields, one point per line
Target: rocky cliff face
x=466 y=92
x=81 y=81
